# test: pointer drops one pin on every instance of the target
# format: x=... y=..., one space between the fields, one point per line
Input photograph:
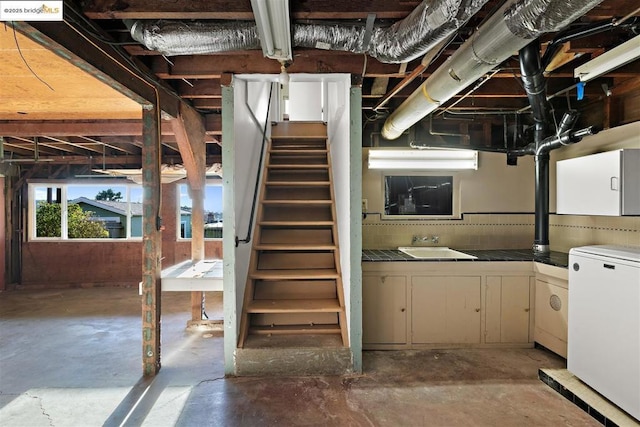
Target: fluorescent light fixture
x=430 y=159
x=610 y=60
x=274 y=28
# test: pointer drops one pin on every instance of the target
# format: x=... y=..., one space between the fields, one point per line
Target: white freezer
x=604 y=322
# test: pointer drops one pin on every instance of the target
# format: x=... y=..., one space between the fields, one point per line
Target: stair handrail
x=257 y=186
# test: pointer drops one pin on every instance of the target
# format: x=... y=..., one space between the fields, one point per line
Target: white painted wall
x=338 y=131
x=305 y=101
x=251 y=100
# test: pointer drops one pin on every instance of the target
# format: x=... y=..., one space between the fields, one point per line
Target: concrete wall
x=496 y=203
x=104 y=263
x=567 y=231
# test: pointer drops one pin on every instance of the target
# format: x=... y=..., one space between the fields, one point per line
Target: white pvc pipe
x=487 y=48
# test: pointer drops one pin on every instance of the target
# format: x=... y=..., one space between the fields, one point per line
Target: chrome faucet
x=425 y=239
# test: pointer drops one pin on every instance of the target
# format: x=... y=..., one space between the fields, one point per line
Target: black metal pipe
x=541 y=236
x=534 y=84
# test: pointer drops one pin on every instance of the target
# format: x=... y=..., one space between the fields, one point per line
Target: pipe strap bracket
x=426 y=95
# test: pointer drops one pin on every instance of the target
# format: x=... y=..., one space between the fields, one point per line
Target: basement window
x=419 y=196
x=212 y=211
x=95 y=210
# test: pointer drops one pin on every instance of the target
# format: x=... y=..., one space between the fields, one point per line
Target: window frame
x=64 y=203
x=455 y=196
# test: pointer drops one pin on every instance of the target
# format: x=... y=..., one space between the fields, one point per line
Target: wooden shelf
x=294 y=306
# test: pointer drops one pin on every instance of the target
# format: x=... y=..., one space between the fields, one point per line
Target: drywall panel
x=306 y=101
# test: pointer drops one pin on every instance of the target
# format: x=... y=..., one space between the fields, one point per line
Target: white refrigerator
x=604 y=322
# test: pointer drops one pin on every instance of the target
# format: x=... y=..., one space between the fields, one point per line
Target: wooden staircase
x=294 y=286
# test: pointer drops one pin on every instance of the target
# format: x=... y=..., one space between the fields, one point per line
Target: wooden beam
x=252 y=62
x=241 y=9
x=213 y=125
x=131 y=161
x=151 y=243
x=188 y=128
x=197 y=245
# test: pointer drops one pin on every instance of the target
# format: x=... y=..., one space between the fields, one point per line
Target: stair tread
x=294 y=329
x=324 y=273
x=295 y=166
x=294 y=306
x=298 y=202
x=300 y=151
x=298 y=183
x=296 y=223
x=294 y=246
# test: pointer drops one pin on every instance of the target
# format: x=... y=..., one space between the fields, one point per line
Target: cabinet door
x=551 y=316
x=589 y=185
x=384 y=309
x=507 y=309
x=445 y=309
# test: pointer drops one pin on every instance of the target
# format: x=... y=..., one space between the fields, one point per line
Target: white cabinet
x=445 y=309
x=508 y=309
x=418 y=305
x=551 y=308
x=384 y=309
x=599 y=184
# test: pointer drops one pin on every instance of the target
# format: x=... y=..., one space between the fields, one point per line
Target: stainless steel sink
x=434 y=252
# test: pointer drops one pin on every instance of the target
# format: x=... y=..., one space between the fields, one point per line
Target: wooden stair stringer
x=268 y=261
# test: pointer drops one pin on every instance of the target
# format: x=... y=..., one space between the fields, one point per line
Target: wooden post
x=3 y=239
x=197 y=246
x=151 y=241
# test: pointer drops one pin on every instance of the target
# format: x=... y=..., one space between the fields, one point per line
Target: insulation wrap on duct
x=529 y=19
x=193 y=38
x=505 y=32
x=404 y=41
x=427 y=25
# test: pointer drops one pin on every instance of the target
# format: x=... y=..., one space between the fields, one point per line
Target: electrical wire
x=149 y=82
x=15 y=37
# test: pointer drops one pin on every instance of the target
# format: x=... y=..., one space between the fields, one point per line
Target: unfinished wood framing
x=151 y=243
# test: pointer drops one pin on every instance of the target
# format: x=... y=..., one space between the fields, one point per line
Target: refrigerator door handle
x=614 y=183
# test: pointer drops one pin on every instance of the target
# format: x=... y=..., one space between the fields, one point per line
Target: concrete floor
x=72 y=358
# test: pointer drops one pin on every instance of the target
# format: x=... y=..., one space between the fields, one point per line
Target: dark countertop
x=558 y=259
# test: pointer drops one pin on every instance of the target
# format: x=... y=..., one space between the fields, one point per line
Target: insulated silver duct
x=428 y=24
x=503 y=34
x=195 y=37
x=406 y=40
